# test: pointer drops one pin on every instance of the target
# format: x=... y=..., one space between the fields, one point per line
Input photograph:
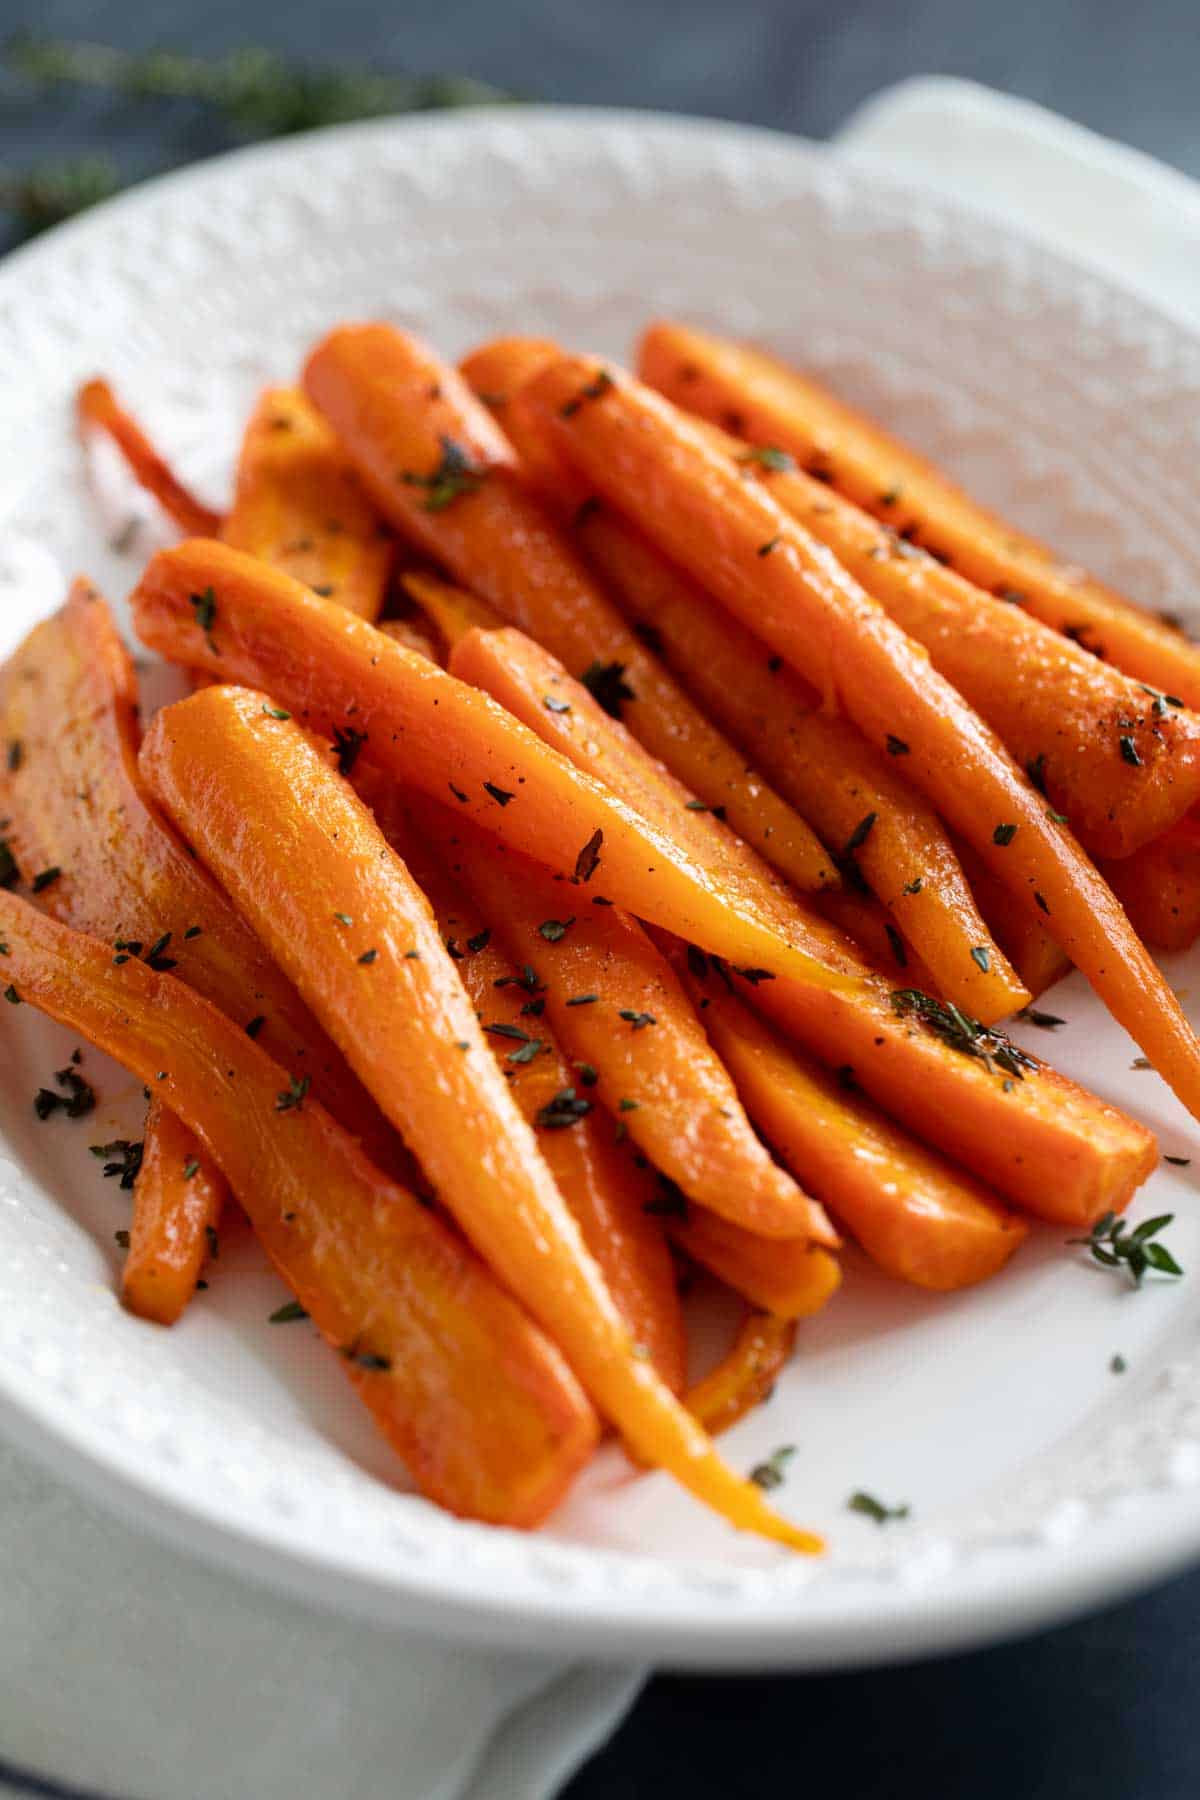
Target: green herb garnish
x=1113 y=1243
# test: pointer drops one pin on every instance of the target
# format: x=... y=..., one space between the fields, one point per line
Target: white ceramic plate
x=1039 y=1481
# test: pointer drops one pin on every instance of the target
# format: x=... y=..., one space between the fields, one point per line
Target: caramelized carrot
x=1121 y=762
x=452 y=610
x=414 y=635
x=753 y=395
x=441 y=472
x=338 y=674
x=1160 y=887
x=599 y=1184
x=177 y=1202
x=745 y=1377
x=916 y=1216
x=299 y=505
x=619 y=1012
x=295 y=846
x=856 y=799
x=1028 y=945
x=99 y=409
x=76 y=803
x=635 y=445
x=1101 y=1160
x=477 y=1401
x=790 y=1277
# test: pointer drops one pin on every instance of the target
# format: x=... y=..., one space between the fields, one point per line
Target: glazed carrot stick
x=790 y=1277
x=99 y=409
x=414 y=634
x=601 y=1186
x=619 y=1012
x=480 y=1405
x=1103 y=1154
x=753 y=395
x=441 y=472
x=1160 y=887
x=76 y=803
x=298 y=504
x=635 y=445
x=745 y=1377
x=1122 y=762
x=916 y=1216
x=427 y=730
x=452 y=610
x=296 y=846
x=177 y=1201
x=820 y=763
x=1028 y=945
x=338 y=674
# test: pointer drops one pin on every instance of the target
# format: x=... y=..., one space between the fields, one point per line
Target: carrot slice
x=755 y=396
x=745 y=1377
x=99 y=409
x=620 y=1013
x=1105 y=1158
x=477 y=1401
x=916 y=1216
x=76 y=803
x=177 y=1202
x=452 y=610
x=299 y=505
x=243 y=784
x=440 y=470
x=1160 y=887
x=599 y=1184
x=339 y=674
x=636 y=446
x=791 y=1278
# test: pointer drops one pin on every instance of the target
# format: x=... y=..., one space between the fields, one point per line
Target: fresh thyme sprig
x=961 y=1032
x=253 y=89
x=1111 y=1242
x=252 y=92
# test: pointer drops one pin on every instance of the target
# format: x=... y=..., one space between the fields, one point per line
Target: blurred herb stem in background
x=254 y=93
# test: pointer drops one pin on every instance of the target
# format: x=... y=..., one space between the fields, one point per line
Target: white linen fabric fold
x=128 y=1671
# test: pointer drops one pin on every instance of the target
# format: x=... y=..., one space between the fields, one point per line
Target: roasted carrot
x=1160 y=887
x=452 y=610
x=414 y=634
x=599 y=1183
x=1029 y=947
x=1122 y=762
x=99 y=409
x=635 y=446
x=298 y=504
x=790 y=1277
x=757 y=397
x=177 y=1202
x=1106 y=1158
x=820 y=763
x=426 y=729
x=295 y=846
x=915 y=1215
x=442 y=473
x=477 y=1401
x=745 y=1377
x=76 y=804
x=339 y=675
x=621 y=1014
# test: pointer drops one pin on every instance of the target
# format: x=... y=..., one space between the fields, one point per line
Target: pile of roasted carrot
x=609 y=822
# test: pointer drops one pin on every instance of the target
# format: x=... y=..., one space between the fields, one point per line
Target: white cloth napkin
x=130 y=1672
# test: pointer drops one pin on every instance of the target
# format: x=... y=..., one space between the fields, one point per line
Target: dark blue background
x=1103 y=1710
